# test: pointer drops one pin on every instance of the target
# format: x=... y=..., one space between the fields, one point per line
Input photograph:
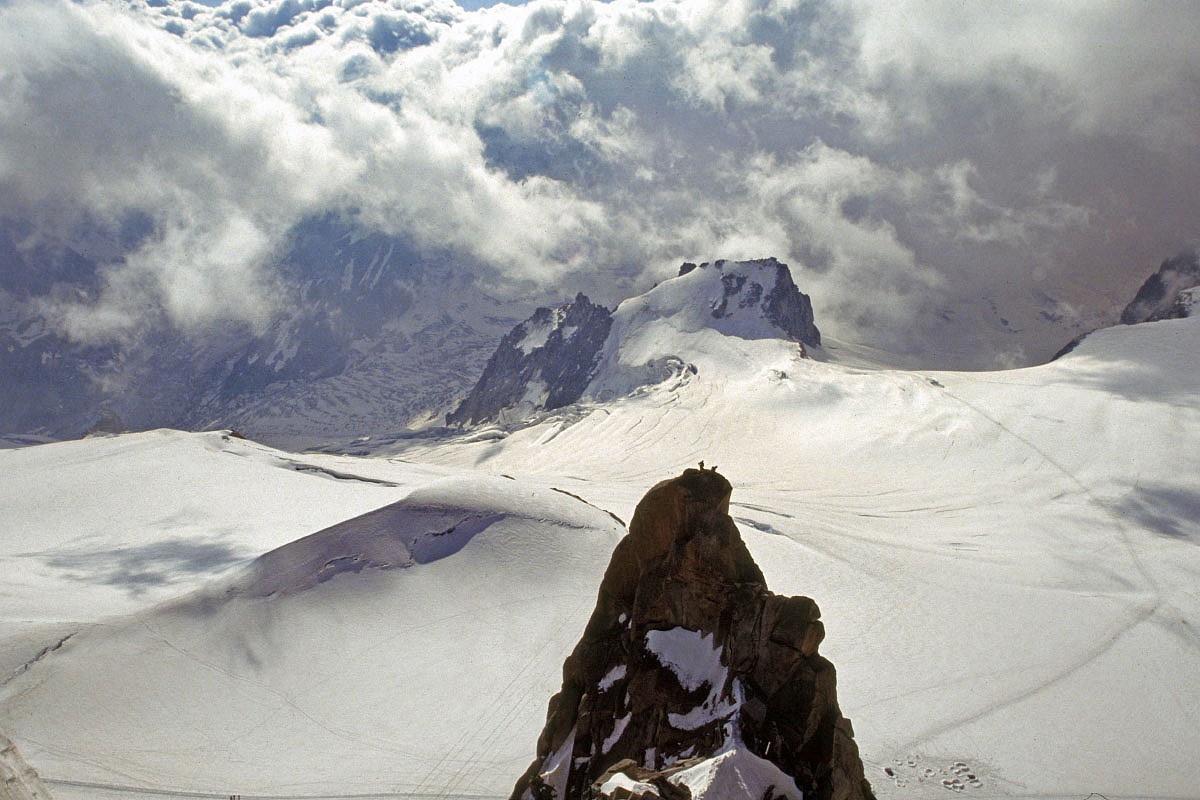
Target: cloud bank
x=905 y=158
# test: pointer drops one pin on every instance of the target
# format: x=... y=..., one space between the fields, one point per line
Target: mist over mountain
x=968 y=186
x=365 y=338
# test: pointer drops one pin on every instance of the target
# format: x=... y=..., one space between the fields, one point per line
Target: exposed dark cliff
x=543 y=363
x=1163 y=295
x=691 y=677
x=782 y=303
x=1170 y=293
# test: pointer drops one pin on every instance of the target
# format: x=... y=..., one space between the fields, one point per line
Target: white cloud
x=101 y=119
x=899 y=155
x=1104 y=65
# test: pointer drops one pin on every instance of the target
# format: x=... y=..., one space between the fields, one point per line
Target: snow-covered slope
x=707 y=314
x=406 y=649
x=115 y=524
x=1006 y=563
x=1006 y=548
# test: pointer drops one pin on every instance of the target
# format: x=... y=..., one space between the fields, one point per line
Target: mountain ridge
x=584 y=352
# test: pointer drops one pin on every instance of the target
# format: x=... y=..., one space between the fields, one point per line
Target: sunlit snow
x=1005 y=562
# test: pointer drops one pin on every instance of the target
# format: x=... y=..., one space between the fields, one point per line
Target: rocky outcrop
x=1166 y=294
x=544 y=363
x=18 y=780
x=692 y=680
x=782 y=303
x=582 y=352
x=1171 y=293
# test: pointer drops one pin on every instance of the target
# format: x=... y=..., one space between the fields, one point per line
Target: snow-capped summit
x=706 y=320
x=703 y=316
x=752 y=293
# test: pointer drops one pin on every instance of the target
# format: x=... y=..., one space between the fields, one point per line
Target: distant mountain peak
x=762 y=287
x=692 y=680
x=582 y=351
x=543 y=363
x=1166 y=294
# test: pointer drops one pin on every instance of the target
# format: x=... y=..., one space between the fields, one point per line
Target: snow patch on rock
x=717 y=706
x=558 y=767
x=538 y=330
x=615 y=674
x=694 y=657
x=623 y=781
x=618 y=728
x=736 y=772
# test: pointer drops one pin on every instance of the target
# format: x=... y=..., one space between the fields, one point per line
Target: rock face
x=544 y=363
x=18 y=781
x=581 y=351
x=1171 y=293
x=1166 y=294
x=782 y=303
x=692 y=680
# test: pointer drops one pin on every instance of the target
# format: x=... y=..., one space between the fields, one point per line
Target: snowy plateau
x=1006 y=564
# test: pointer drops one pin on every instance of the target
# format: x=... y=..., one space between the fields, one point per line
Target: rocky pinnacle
x=689 y=666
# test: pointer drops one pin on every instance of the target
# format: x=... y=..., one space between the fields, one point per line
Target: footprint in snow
x=955 y=776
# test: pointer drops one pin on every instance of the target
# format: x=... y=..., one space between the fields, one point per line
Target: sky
x=905 y=158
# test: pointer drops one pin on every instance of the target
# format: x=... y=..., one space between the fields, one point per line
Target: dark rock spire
x=691 y=677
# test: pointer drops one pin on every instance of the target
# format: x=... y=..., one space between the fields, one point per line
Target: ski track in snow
x=1160 y=605
x=954 y=600
x=282 y=697
x=469 y=748
x=997 y=705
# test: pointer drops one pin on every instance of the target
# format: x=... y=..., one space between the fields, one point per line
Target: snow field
x=1006 y=564
x=1005 y=561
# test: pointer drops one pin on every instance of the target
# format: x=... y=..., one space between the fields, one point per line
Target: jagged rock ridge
x=692 y=680
x=543 y=363
x=783 y=304
x=1165 y=294
x=580 y=351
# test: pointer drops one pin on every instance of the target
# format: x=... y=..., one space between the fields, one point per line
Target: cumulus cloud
x=905 y=158
x=101 y=120
x=1109 y=66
